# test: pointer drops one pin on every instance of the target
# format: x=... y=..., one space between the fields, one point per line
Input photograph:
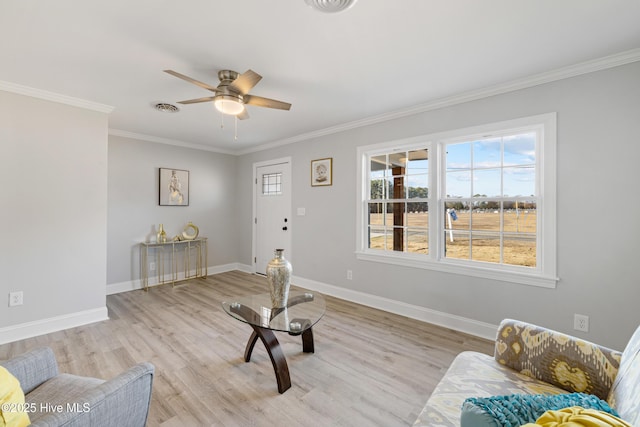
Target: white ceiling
x=376 y=58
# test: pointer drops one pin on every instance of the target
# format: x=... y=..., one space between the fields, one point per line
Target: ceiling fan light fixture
x=330 y=6
x=228 y=104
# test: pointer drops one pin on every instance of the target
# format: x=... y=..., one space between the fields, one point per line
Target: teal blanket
x=517 y=409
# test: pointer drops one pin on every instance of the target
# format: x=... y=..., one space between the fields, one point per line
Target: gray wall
x=66 y=235
x=598 y=233
x=53 y=210
x=134 y=212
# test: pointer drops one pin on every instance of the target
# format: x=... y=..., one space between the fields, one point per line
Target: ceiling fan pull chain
x=221 y=120
x=236 y=130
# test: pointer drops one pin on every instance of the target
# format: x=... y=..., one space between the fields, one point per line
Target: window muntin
x=508 y=182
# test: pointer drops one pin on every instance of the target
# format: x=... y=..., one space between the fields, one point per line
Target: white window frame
x=543 y=275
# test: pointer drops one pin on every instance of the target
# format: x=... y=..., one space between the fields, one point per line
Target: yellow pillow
x=13 y=410
x=577 y=416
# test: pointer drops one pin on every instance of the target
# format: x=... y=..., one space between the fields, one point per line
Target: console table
x=174 y=261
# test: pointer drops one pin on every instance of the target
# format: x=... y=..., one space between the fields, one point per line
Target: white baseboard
x=116 y=288
x=458 y=323
x=245 y=268
x=451 y=321
x=132 y=285
x=52 y=324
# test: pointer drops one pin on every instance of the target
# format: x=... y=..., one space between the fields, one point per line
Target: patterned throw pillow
x=518 y=409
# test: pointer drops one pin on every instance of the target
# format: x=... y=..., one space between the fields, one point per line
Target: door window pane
x=272 y=184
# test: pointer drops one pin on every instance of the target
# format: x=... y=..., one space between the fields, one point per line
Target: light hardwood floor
x=370 y=367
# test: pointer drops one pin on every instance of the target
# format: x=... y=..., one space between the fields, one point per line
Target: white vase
x=279 y=278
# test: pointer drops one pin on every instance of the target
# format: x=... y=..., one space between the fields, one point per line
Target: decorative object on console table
x=279 y=279
x=322 y=172
x=174 y=187
x=190 y=231
x=173 y=260
x=162 y=235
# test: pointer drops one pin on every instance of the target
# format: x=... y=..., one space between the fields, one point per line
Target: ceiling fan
x=232 y=94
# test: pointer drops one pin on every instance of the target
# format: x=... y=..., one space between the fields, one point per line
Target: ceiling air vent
x=166 y=108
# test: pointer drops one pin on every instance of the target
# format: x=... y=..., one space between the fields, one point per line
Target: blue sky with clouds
x=495 y=167
x=485 y=167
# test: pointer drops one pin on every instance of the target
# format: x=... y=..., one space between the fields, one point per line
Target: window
x=272 y=184
x=477 y=201
x=490 y=199
x=398 y=207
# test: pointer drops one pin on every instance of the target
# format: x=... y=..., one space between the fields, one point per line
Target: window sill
x=485 y=273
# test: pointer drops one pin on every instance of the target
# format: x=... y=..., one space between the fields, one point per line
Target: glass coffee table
x=304 y=309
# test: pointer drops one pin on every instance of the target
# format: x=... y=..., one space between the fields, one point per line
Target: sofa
x=533 y=360
x=55 y=399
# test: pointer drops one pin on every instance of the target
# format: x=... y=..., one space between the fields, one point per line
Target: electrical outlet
x=16 y=298
x=152 y=266
x=349 y=275
x=581 y=322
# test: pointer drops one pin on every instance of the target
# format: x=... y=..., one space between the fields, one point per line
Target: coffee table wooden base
x=276 y=355
x=253 y=313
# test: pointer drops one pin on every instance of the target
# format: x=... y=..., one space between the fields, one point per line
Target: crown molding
x=55 y=97
x=167 y=141
x=575 y=70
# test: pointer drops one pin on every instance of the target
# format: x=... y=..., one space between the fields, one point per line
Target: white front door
x=272 y=206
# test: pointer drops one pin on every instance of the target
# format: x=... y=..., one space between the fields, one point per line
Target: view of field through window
x=519 y=246
x=398 y=205
x=490 y=207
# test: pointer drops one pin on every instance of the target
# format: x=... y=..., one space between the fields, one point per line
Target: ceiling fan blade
x=190 y=80
x=259 y=101
x=244 y=115
x=195 y=101
x=245 y=82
